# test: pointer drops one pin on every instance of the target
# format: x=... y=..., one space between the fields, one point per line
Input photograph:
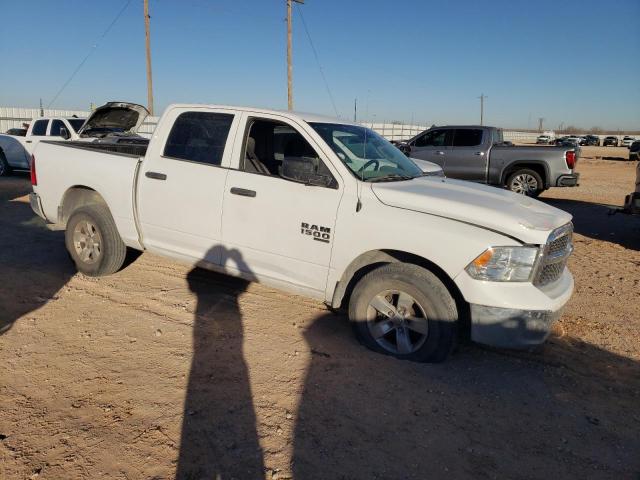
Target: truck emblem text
x=319 y=233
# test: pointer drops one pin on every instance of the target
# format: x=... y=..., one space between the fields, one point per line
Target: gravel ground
x=162 y=371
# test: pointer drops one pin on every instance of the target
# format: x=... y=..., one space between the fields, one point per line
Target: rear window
x=199 y=137
x=467 y=137
x=40 y=127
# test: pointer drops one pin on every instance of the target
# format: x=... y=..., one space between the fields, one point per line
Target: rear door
x=282 y=230
x=468 y=156
x=181 y=182
x=38 y=132
x=432 y=145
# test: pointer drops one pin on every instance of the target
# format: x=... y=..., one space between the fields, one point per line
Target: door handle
x=155 y=175
x=243 y=192
x=439 y=152
x=28 y=141
x=480 y=154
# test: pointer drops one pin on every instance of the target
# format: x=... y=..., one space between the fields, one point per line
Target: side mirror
x=404 y=148
x=64 y=133
x=302 y=170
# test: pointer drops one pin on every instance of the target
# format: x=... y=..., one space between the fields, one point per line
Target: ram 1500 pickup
x=319 y=207
x=479 y=154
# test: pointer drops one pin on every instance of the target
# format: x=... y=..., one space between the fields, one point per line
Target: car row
x=585 y=140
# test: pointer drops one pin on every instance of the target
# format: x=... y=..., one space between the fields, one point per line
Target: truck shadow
x=557 y=412
x=219 y=435
x=594 y=221
x=34 y=265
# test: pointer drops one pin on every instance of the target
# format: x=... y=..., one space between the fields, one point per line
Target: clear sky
x=576 y=62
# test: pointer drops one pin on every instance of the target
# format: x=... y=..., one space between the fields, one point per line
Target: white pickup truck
x=319 y=207
x=113 y=122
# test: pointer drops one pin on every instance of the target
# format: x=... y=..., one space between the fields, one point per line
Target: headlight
x=504 y=264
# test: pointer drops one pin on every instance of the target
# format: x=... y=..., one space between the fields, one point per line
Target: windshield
x=76 y=123
x=369 y=156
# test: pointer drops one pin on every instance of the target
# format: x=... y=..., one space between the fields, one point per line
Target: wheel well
x=369 y=261
x=77 y=197
x=539 y=168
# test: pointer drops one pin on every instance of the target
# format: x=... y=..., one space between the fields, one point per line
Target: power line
x=315 y=54
x=93 y=49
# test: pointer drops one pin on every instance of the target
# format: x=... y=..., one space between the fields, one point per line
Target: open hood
x=517 y=216
x=115 y=117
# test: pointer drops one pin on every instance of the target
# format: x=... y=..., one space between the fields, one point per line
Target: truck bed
x=122 y=148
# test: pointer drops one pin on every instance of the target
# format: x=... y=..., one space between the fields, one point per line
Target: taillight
x=570 y=157
x=34 y=178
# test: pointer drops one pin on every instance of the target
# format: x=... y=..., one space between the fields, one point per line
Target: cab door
x=181 y=183
x=433 y=146
x=282 y=229
x=467 y=159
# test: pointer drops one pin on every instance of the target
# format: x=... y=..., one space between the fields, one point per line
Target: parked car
x=591 y=140
x=632 y=201
x=406 y=254
x=15 y=150
x=634 y=151
x=610 y=142
x=627 y=141
x=544 y=140
x=18 y=132
x=114 y=122
x=478 y=154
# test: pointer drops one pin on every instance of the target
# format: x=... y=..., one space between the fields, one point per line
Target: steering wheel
x=370 y=162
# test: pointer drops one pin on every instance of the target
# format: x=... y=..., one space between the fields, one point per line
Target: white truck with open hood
x=114 y=122
x=318 y=207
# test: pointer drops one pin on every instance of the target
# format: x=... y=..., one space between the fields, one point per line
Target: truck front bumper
x=36 y=205
x=514 y=314
x=570 y=180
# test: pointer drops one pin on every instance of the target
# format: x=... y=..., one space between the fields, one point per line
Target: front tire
x=93 y=241
x=525 y=182
x=405 y=311
x=5 y=169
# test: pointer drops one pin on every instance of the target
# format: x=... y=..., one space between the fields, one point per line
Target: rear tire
x=525 y=182
x=5 y=169
x=93 y=241
x=405 y=311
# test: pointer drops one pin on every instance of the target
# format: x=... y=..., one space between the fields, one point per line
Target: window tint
x=76 y=123
x=432 y=138
x=199 y=137
x=56 y=125
x=40 y=127
x=467 y=137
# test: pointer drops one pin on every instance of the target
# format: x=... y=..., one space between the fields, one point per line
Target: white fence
x=16 y=117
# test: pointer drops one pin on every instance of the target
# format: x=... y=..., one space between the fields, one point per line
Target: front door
x=433 y=146
x=181 y=183
x=282 y=229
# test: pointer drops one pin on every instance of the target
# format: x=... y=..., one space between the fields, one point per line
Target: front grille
x=555 y=255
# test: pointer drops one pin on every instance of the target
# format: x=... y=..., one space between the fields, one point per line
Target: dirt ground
x=163 y=370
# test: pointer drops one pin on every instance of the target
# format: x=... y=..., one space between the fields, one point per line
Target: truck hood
x=518 y=216
x=118 y=117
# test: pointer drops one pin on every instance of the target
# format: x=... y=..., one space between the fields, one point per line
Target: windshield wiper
x=392 y=177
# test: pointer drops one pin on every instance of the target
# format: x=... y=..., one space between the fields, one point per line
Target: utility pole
x=355 y=110
x=289 y=55
x=540 y=120
x=148 y=48
x=482 y=97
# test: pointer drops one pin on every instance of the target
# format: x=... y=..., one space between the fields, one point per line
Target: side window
x=40 y=128
x=56 y=125
x=277 y=149
x=433 y=138
x=467 y=137
x=199 y=137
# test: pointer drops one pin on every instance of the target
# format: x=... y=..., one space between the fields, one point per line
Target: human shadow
x=555 y=413
x=595 y=221
x=34 y=265
x=219 y=437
